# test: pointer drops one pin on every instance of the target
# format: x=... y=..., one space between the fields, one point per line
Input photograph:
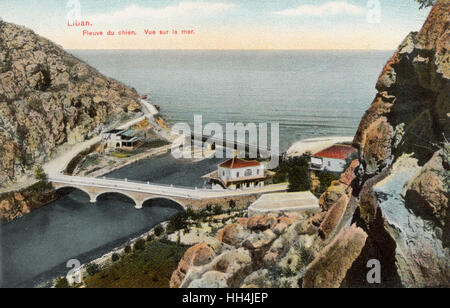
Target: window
x=329 y=164
x=237 y=174
x=257 y=171
x=248 y=172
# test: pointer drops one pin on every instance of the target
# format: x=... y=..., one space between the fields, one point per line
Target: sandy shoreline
x=314 y=145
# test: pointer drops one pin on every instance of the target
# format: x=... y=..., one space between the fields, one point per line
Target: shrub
x=217 y=209
x=42 y=185
x=298 y=173
x=306 y=257
x=127 y=249
x=159 y=230
x=177 y=222
x=232 y=204
x=140 y=244
x=62 y=283
x=426 y=3
x=295 y=170
x=325 y=179
x=191 y=213
x=92 y=269
x=115 y=257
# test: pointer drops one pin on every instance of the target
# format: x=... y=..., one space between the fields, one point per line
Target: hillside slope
x=49 y=98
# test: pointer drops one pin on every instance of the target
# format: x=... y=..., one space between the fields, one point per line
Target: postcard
x=224 y=145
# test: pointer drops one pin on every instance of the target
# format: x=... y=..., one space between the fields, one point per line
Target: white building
x=332 y=159
x=237 y=174
x=120 y=139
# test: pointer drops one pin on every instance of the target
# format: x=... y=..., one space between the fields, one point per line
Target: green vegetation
x=153 y=144
x=140 y=244
x=115 y=257
x=42 y=185
x=426 y=3
x=159 y=230
x=127 y=249
x=62 y=283
x=92 y=269
x=325 y=179
x=306 y=257
x=150 y=267
x=120 y=154
x=294 y=170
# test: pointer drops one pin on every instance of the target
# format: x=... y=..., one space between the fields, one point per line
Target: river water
x=36 y=247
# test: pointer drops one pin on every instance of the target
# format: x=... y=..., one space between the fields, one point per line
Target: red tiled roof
x=338 y=151
x=235 y=163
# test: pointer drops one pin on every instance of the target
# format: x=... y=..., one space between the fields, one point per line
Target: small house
x=120 y=139
x=238 y=174
x=332 y=159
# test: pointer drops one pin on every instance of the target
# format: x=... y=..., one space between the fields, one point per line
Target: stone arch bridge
x=141 y=192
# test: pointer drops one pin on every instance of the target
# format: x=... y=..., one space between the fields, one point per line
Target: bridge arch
x=136 y=202
x=92 y=197
x=180 y=204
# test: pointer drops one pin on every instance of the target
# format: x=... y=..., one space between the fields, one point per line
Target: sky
x=221 y=24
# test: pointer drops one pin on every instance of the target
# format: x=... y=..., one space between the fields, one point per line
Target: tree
x=140 y=244
x=426 y=3
x=62 y=283
x=298 y=173
x=177 y=222
x=127 y=249
x=325 y=179
x=42 y=185
x=115 y=257
x=39 y=174
x=92 y=269
x=159 y=230
x=217 y=209
x=232 y=204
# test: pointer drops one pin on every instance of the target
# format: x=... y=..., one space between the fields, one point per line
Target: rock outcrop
x=261 y=251
x=49 y=98
x=402 y=181
x=329 y=269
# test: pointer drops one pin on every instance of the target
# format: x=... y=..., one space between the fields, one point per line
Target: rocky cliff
x=49 y=98
x=403 y=178
x=389 y=208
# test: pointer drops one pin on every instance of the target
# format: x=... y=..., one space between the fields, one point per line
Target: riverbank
x=130 y=263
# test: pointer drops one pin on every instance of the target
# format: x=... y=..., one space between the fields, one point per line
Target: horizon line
x=176 y=49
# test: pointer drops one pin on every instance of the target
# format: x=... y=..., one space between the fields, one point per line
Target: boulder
x=233 y=234
x=259 y=240
x=330 y=267
x=332 y=194
x=427 y=194
x=197 y=255
x=261 y=223
x=349 y=175
x=211 y=279
x=333 y=217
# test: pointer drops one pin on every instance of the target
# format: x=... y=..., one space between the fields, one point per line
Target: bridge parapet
x=140 y=192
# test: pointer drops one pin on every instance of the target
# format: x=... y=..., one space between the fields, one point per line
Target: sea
x=309 y=93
